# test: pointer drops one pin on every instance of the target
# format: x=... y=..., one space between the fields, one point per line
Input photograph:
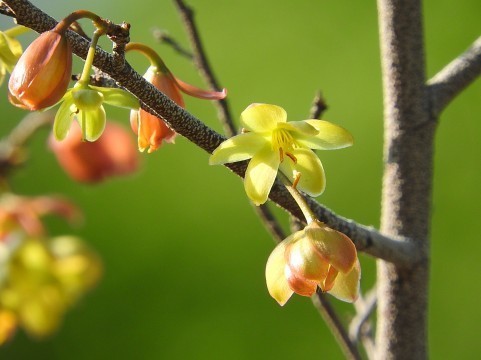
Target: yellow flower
x=10 y=52
x=315 y=256
x=272 y=143
x=85 y=102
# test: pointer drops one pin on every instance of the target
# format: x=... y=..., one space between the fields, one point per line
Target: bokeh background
x=183 y=251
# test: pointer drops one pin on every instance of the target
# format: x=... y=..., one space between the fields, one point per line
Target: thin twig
x=225 y=117
x=5 y=10
x=200 y=59
x=365 y=238
x=360 y=327
x=329 y=315
x=270 y=222
x=454 y=77
x=318 y=106
x=10 y=147
x=164 y=38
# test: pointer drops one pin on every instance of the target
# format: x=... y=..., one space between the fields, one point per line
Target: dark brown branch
x=200 y=58
x=318 y=106
x=454 y=78
x=366 y=239
x=329 y=315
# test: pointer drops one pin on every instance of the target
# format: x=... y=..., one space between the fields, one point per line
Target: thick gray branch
x=366 y=239
x=454 y=78
x=407 y=182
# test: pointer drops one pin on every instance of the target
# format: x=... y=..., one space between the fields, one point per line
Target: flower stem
x=149 y=53
x=63 y=25
x=299 y=199
x=85 y=77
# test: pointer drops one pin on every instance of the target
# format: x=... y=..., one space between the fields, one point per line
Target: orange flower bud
x=113 y=154
x=315 y=256
x=42 y=73
x=151 y=130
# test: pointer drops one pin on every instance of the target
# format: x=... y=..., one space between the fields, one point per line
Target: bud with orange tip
x=150 y=129
x=42 y=73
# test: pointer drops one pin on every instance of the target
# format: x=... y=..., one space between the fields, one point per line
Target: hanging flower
x=85 y=103
x=43 y=72
x=114 y=154
x=24 y=213
x=150 y=129
x=316 y=256
x=272 y=143
x=10 y=50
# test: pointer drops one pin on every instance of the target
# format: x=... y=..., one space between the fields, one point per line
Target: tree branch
x=454 y=78
x=365 y=238
x=200 y=59
x=401 y=331
x=327 y=312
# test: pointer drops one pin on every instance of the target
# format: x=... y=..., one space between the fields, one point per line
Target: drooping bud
x=150 y=129
x=113 y=154
x=42 y=73
x=316 y=256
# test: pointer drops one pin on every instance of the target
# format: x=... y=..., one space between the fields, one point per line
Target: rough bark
x=406 y=197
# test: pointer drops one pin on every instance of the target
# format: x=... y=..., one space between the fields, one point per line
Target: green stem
x=299 y=199
x=16 y=31
x=85 y=77
x=150 y=54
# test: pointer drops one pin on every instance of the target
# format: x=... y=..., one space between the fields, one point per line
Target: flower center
x=283 y=142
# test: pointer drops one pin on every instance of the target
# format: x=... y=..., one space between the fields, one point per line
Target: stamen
x=244 y=131
x=281 y=154
x=292 y=157
x=296 y=179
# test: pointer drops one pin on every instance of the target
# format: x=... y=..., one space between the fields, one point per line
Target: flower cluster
x=40 y=277
x=61 y=269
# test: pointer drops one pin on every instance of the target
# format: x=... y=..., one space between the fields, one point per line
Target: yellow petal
x=330 y=136
x=346 y=286
x=261 y=174
x=275 y=277
x=333 y=246
x=92 y=123
x=313 y=179
x=299 y=127
x=63 y=118
x=262 y=117
x=237 y=148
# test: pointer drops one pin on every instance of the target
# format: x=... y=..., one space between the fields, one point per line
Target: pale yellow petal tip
x=282 y=297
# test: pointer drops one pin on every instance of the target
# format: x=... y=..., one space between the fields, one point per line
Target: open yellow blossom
x=272 y=143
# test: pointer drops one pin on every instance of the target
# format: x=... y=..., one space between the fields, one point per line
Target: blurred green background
x=184 y=253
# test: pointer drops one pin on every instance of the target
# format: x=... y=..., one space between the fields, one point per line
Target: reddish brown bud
x=42 y=73
x=113 y=154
